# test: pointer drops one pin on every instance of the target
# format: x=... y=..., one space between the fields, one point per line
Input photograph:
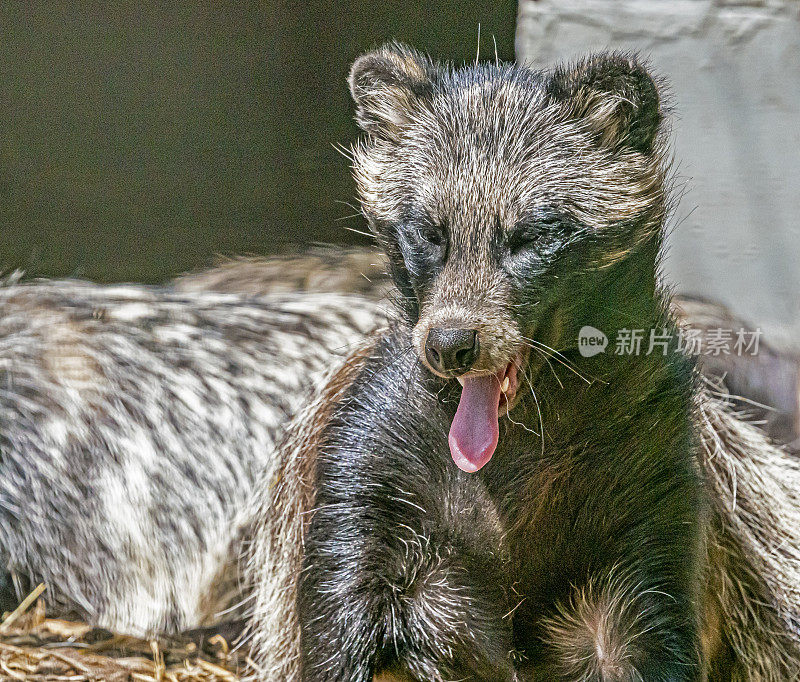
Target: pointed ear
x=387 y=85
x=615 y=95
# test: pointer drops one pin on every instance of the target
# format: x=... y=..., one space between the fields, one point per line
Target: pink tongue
x=474 y=432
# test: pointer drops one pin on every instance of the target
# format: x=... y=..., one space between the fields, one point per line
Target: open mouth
x=475 y=430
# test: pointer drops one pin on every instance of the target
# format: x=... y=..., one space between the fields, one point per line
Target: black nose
x=451 y=351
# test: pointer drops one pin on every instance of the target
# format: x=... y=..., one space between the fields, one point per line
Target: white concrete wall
x=734 y=69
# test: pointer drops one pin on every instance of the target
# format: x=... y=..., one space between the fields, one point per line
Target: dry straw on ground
x=36 y=648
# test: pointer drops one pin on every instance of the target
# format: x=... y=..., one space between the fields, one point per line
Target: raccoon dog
x=472 y=497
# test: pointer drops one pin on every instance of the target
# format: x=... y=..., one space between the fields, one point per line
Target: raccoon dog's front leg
x=402 y=567
x=408 y=604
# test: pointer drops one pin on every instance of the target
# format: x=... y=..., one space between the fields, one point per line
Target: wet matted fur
x=627 y=527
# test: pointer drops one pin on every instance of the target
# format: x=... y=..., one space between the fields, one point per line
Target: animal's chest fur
x=590 y=499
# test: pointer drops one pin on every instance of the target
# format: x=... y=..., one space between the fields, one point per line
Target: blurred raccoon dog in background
x=471 y=498
x=134 y=421
x=764 y=387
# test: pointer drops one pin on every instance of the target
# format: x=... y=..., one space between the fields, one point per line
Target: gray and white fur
x=134 y=421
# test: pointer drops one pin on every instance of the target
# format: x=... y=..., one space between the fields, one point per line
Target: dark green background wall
x=139 y=141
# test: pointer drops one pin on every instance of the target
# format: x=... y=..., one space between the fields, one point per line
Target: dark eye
x=540 y=235
x=523 y=239
x=432 y=235
x=423 y=244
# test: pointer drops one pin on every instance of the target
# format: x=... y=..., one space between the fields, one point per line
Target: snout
x=451 y=351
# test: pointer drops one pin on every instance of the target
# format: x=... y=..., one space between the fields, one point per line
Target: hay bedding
x=36 y=648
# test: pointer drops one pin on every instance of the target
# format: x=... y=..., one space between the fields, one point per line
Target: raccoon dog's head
x=496 y=191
